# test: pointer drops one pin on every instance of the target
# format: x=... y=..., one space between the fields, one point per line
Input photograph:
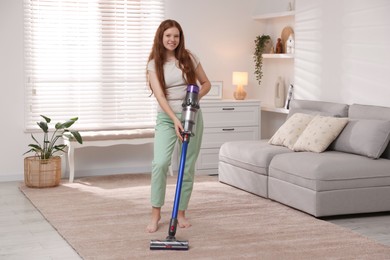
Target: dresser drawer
x=208 y=159
x=231 y=116
x=216 y=136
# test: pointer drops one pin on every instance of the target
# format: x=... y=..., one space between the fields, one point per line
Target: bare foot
x=153 y=225
x=182 y=220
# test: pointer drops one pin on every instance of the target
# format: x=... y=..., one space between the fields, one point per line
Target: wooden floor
x=25 y=234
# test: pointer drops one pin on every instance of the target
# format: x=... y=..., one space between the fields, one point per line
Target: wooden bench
x=108 y=138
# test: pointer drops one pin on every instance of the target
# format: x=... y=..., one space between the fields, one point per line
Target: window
x=87 y=59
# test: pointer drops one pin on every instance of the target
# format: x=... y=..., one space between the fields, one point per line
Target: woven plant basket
x=42 y=173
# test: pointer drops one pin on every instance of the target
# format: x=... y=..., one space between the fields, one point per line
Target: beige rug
x=105 y=218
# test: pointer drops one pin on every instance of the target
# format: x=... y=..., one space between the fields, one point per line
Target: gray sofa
x=351 y=176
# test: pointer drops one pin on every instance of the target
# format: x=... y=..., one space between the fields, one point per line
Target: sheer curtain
x=87 y=59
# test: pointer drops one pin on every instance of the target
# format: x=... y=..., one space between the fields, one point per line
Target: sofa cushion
x=366 y=137
x=318 y=108
x=320 y=133
x=290 y=131
x=357 y=111
x=386 y=153
x=331 y=170
x=254 y=156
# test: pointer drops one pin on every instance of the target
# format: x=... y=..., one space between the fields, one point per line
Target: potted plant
x=262 y=43
x=44 y=168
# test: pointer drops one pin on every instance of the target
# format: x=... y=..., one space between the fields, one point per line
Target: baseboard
x=84 y=173
x=12 y=177
x=107 y=171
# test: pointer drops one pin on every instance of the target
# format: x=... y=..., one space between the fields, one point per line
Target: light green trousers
x=164 y=143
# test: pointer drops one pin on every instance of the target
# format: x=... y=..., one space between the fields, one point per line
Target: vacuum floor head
x=169 y=244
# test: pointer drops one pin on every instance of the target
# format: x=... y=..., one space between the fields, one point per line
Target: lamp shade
x=240 y=78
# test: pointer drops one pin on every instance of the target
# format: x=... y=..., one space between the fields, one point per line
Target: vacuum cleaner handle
x=190 y=108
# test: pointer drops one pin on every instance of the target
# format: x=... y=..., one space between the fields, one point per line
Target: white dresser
x=226 y=120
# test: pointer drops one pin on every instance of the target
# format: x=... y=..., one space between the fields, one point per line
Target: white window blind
x=87 y=59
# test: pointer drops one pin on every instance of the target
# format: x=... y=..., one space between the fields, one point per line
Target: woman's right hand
x=178 y=128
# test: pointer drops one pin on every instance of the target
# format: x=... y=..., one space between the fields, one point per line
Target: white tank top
x=176 y=86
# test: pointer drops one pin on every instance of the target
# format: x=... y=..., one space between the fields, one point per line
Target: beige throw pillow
x=320 y=133
x=289 y=132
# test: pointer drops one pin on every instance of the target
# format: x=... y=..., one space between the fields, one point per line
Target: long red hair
x=158 y=54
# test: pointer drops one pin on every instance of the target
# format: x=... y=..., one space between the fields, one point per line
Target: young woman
x=171 y=68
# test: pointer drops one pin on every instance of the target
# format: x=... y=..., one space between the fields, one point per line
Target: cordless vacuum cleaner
x=188 y=117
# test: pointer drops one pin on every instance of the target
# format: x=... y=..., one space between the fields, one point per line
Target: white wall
x=13 y=140
x=342 y=51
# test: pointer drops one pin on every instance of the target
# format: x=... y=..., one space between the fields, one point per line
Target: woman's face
x=171 y=38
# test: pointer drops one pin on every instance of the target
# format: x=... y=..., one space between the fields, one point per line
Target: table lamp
x=240 y=79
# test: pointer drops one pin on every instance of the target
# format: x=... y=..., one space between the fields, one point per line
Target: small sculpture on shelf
x=279 y=46
x=290 y=45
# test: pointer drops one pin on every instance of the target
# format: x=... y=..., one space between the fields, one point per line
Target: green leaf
x=38 y=147
x=43 y=126
x=29 y=151
x=65 y=125
x=59 y=147
x=46 y=119
x=34 y=139
x=77 y=136
x=69 y=123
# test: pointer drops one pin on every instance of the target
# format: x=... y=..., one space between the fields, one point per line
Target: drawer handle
x=228 y=108
x=228 y=129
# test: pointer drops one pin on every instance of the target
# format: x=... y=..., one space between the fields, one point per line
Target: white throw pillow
x=290 y=131
x=320 y=133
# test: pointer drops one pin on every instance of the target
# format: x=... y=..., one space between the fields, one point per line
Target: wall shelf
x=278 y=56
x=275 y=65
x=273 y=15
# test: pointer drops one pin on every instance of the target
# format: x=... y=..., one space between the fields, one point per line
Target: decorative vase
x=280 y=93
x=42 y=173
